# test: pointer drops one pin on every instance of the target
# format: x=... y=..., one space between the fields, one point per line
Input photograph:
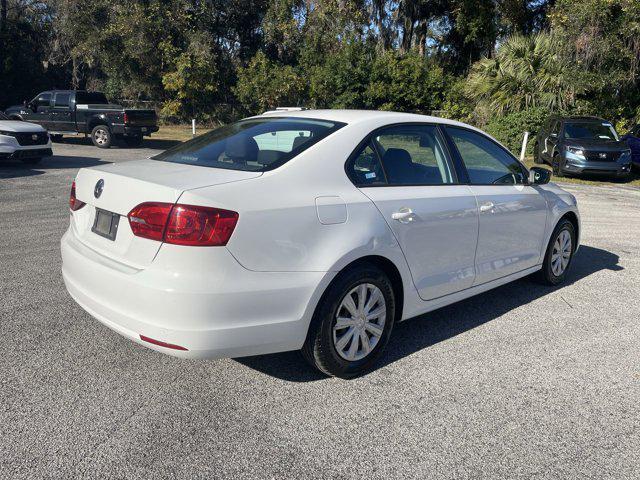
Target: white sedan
x=23 y=141
x=312 y=230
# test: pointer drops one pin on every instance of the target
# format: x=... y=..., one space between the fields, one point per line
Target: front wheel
x=559 y=254
x=101 y=136
x=352 y=323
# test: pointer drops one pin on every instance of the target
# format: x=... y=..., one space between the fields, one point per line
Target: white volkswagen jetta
x=313 y=230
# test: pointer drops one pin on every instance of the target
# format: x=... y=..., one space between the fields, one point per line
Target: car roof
x=356 y=116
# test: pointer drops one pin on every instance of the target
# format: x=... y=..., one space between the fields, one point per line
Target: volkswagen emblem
x=97 y=191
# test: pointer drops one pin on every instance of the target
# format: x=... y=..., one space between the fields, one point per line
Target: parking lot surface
x=522 y=382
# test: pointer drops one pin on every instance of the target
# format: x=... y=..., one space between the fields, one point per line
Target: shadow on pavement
x=14 y=169
x=421 y=332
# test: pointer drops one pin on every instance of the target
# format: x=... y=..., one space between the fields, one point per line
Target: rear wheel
x=101 y=136
x=559 y=254
x=352 y=323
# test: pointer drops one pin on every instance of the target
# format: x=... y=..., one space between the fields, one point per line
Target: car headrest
x=241 y=148
x=397 y=157
x=299 y=141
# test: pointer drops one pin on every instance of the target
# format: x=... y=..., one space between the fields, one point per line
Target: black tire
x=536 y=154
x=101 y=136
x=132 y=141
x=56 y=138
x=546 y=275
x=319 y=348
x=31 y=161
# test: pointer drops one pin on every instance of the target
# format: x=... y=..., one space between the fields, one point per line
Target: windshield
x=89 y=98
x=590 y=130
x=254 y=145
x=3 y=116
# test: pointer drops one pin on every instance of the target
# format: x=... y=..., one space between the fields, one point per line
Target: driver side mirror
x=539 y=176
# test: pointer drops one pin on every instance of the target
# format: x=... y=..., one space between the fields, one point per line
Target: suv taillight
x=125 y=118
x=74 y=203
x=183 y=224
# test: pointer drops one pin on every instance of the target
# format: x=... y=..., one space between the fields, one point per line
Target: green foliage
x=509 y=129
x=527 y=72
x=265 y=84
x=408 y=82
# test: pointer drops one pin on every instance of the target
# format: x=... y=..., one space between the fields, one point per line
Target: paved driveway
x=524 y=381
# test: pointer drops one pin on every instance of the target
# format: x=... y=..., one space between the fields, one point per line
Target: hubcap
x=101 y=136
x=561 y=253
x=359 y=322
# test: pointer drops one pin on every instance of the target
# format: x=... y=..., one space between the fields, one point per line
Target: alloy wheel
x=359 y=322
x=561 y=253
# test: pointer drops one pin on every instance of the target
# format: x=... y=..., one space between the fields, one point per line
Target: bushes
x=509 y=129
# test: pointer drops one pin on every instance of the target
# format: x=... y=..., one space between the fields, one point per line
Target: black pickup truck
x=73 y=112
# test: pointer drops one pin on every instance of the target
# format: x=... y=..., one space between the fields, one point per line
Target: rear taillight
x=183 y=224
x=125 y=118
x=74 y=203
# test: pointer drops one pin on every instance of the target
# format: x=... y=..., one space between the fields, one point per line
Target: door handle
x=404 y=215
x=487 y=207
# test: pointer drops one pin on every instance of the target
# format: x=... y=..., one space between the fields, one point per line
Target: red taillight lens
x=148 y=220
x=125 y=118
x=183 y=224
x=74 y=203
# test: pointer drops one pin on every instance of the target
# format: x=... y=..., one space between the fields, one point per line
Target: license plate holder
x=105 y=224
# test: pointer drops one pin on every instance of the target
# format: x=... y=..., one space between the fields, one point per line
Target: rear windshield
x=91 y=98
x=254 y=145
x=590 y=130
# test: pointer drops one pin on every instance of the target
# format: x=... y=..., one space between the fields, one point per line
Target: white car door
x=512 y=214
x=406 y=171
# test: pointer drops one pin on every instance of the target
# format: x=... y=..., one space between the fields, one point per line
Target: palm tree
x=527 y=71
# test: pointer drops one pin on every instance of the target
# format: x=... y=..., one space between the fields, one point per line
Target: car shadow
x=16 y=168
x=429 y=329
x=148 y=142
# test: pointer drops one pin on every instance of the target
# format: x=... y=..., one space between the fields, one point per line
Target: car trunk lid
x=118 y=188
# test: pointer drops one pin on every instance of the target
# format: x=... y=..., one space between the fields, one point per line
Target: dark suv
x=582 y=145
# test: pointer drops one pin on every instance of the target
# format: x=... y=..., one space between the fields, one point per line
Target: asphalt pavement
x=522 y=382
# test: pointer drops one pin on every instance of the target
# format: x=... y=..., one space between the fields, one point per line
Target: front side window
x=255 y=145
x=487 y=163
x=590 y=131
x=42 y=101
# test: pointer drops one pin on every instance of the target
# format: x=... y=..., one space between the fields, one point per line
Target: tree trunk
x=3 y=15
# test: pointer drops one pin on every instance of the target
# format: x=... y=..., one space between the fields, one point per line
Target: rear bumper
x=135 y=131
x=222 y=310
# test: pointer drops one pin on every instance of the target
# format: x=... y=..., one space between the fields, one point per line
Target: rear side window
x=62 y=100
x=487 y=162
x=402 y=155
x=256 y=145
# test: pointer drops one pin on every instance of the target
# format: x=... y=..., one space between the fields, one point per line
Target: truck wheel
x=101 y=136
x=56 y=138
x=133 y=141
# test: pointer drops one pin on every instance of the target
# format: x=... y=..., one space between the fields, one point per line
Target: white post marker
x=524 y=146
x=193 y=127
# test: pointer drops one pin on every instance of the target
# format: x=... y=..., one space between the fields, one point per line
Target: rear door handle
x=487 y=207
x=404 y=215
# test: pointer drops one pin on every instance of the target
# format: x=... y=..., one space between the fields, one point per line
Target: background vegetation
x=500 y=64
